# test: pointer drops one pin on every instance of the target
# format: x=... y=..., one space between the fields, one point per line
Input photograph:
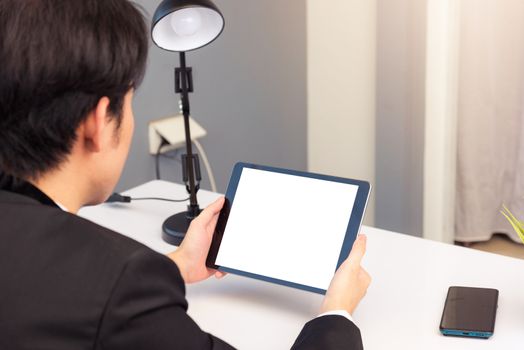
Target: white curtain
x=490 y=118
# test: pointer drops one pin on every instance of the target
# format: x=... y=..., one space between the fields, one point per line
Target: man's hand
x=191 y=256
x=350 y=283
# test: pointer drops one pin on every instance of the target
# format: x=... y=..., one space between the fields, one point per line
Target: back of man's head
x=57 y=59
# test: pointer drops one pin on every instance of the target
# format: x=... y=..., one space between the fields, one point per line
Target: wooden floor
x=500 y=244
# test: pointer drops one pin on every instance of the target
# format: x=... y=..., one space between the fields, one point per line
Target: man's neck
x=63 y=189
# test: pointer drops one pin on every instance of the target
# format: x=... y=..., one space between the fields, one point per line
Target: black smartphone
x=469 y=312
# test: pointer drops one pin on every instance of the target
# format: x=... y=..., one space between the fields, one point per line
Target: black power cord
x=118 y=198
x=160 y=199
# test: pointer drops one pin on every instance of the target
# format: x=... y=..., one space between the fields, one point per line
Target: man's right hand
x=350 y=283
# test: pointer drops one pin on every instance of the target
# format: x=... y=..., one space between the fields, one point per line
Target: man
x=68 y=70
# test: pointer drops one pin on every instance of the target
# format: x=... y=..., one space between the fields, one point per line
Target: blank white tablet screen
x=287 y=227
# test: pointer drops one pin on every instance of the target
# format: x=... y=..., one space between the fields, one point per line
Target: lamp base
x=175 y=227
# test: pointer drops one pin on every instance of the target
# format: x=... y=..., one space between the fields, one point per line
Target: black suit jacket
x=67 y=283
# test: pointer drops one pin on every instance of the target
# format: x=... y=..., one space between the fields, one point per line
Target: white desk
x=402 y=309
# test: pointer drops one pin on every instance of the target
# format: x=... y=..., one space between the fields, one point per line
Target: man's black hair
x=57 y=59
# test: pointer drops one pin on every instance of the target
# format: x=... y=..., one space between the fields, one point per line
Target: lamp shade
x=185 y=25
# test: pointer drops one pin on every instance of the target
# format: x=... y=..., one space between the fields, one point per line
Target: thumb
x=212 y=210
x=358 y=250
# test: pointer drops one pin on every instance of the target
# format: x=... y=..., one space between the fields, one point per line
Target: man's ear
x=96 y=126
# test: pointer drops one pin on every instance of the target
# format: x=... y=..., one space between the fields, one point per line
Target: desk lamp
x=180 y=26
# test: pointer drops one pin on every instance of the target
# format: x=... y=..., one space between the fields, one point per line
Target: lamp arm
x=185 y=86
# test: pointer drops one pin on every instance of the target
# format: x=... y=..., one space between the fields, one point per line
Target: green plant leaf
x=517 y=225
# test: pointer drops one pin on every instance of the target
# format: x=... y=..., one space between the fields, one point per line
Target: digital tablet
x=287 y=227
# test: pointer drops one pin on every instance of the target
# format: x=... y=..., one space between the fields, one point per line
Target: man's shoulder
x=24 y=219
x=63 y=271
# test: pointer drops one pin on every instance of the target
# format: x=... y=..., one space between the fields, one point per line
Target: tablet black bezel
x=353 y=227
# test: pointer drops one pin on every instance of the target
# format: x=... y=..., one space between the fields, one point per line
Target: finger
x=213 y=223
x=366 y=275
x=214 y=208
x=220 y=274
x=358 y=250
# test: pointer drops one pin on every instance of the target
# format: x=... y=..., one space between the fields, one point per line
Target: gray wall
x=400 y=115
x=250 y=93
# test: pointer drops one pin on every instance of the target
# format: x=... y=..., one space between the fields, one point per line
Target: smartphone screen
x=469 y=312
